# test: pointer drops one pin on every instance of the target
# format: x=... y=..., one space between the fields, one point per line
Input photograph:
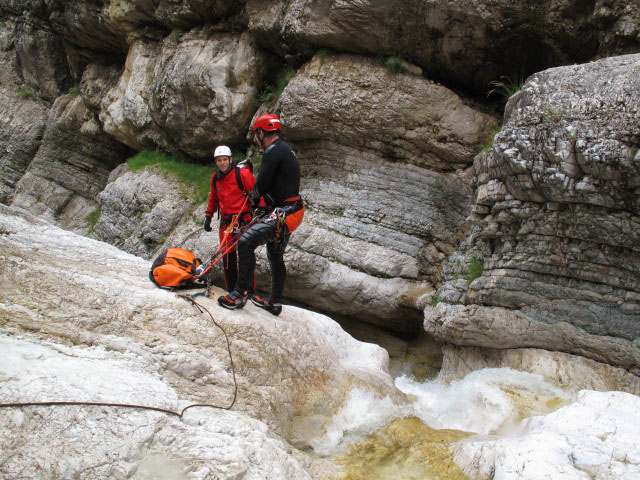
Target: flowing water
x=375 y=439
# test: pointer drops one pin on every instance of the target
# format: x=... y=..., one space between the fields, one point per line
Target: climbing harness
x=201 y=309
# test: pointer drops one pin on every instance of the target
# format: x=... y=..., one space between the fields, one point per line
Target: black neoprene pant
x=258 y=234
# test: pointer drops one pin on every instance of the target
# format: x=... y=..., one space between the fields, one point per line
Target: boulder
x=356 y=102
x=185 y=95
x=293 y=372
x=138 y=212
x=595 y=437
x=130 y=15
x=562 y=224
x=503 y=328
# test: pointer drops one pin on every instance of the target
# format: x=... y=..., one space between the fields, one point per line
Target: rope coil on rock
x=201 y=309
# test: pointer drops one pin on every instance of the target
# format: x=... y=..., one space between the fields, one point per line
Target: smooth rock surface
x=110 y=442
x=571 y=372
x=594 y=438
x=293 y=371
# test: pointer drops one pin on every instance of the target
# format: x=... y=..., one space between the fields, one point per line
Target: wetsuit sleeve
x=248 y=180
x=212 y=206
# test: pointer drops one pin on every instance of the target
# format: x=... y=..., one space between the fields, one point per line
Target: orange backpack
x=175 y=267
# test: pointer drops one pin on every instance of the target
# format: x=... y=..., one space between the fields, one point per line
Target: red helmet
x=268 y=122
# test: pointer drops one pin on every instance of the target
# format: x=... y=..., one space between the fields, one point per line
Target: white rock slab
x=594 y=438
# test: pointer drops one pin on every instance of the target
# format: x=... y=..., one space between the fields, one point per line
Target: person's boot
x=233 y=300
x=271 y=307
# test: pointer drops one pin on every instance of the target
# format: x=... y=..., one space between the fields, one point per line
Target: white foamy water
x=476 y=403
x=362 y=414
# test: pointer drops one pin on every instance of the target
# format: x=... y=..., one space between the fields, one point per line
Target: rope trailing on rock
x=201 y=309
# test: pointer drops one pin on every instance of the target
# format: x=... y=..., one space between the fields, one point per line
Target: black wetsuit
x=279 y=182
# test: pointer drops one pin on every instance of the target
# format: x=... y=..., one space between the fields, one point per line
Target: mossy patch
x=194 y=176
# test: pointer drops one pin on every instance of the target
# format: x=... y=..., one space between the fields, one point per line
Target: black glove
x=207 y=224
x=254 y=197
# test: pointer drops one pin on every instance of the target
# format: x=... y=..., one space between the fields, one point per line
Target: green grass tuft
x=487 y=146
x=435 y=300
x=396 y=65
x=475 y=267
x=274 y=91
x=176 y=35
x=92 y=218
x=192 y=175
x=74 y=91
x=506 y=86
x=27 y=95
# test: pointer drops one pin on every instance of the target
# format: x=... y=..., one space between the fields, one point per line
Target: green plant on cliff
x=551 y=115
x=176 y=34
x=475 y=267
x=487 y=146
x=27 y=95
x=396 y=65
x=92 y=218
x=506 y=86
x=273 y=91
x=193 y=175
x=74 y=91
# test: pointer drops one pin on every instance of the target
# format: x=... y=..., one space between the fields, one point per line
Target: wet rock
x=593 y=436
x=571 y=372
x=502 y=328
x=294 y=371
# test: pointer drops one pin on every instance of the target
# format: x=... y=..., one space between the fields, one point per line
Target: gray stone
x=502 y=328
x=572 y=372
x=22 y=123
x=403 y=117
x=185 y=97
x=139 y=211
x=564 y=227
x=74 y=160
x=467 y=42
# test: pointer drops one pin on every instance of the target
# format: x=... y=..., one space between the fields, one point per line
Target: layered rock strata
x=561 y=225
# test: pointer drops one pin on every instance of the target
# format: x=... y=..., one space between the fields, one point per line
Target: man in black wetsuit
x=279 y=184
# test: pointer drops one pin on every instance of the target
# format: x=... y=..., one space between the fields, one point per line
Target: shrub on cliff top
x=193 y=175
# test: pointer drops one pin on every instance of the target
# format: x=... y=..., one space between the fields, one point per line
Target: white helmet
x=222 y=150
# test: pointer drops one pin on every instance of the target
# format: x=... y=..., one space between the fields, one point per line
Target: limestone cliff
x=387 y=108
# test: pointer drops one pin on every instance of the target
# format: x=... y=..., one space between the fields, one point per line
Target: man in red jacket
x=229 y=188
